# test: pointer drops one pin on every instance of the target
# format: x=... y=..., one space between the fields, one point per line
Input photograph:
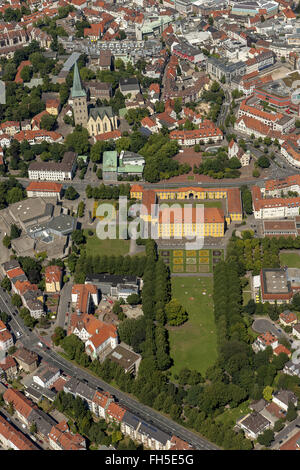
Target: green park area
x=230 y=416
x=108 y=247
x=191 y=261
x=292 y=260
x=194 y=344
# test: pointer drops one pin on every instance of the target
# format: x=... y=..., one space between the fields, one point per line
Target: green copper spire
x=77 y=91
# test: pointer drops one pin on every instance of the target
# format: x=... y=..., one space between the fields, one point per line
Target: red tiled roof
x=19 y=401
x=15 y=273
x=53 y=274
x=48 y=186
x=14 y=436
x=115 y=411
x=281 y=349
x=288 y=317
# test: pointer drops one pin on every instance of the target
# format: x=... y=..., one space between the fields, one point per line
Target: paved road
x=30 y=340
x=262 y=325
x=284 y=434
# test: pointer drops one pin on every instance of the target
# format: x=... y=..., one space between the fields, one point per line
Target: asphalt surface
x=30 y=341
x=262 y=325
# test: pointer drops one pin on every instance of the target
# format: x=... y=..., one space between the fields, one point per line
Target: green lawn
x=230 y=416
x=194 y=344
x=95 y=246
x=246 y=296
x=292 y=260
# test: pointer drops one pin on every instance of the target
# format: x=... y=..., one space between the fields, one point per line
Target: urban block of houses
x=100 y=338
x=6 y=339
x=45 y=376
x=207 y=132
x=27 y=360
x=53 y=278
x=273 y=208
x=288 y=318
x=235 y=151
x=61 y=438
x=11 y=438
x=265 y=340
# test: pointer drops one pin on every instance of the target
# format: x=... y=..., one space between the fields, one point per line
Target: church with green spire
x=79 y=98
x=96 y=120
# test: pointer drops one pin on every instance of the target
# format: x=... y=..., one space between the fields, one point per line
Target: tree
x=14 y=195
x=279 y=425
x=133 y=299
x=71 y=193
x=15 y=231
x=6 y=241
x=291 y=413
x=263 y=162
x=16 y=300
x=176 y=315
x=78 y=140
x=78 y=237
x=267 y=393
x=266 y=438
x=58 y=336
x=6 y=284
x=33 y=428
x=48 y=122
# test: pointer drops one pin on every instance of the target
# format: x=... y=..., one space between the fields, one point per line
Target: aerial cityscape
x=149 y=226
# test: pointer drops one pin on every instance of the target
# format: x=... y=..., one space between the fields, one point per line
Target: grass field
x=230 y=417
x=292 y=260
x=194 y=344
x=246 y=296
x=95 y=246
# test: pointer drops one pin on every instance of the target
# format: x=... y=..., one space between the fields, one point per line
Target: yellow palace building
x=232 y=196
x=180 y=223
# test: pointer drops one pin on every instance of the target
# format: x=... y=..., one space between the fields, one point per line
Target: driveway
x=262 y=325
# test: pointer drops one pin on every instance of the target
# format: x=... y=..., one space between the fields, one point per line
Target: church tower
x=78 y=95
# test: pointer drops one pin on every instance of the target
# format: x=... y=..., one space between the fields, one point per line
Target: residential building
x=11 y=438
x=6 y=340
x=100 y=338
x=254 y=424
x=288 y=318
x=53 y=278
x=27 y=360
x=61 y=438
x=283 y=398
x=45 y=376
x=263 y=341
x=22 y=406
x=85 y=297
